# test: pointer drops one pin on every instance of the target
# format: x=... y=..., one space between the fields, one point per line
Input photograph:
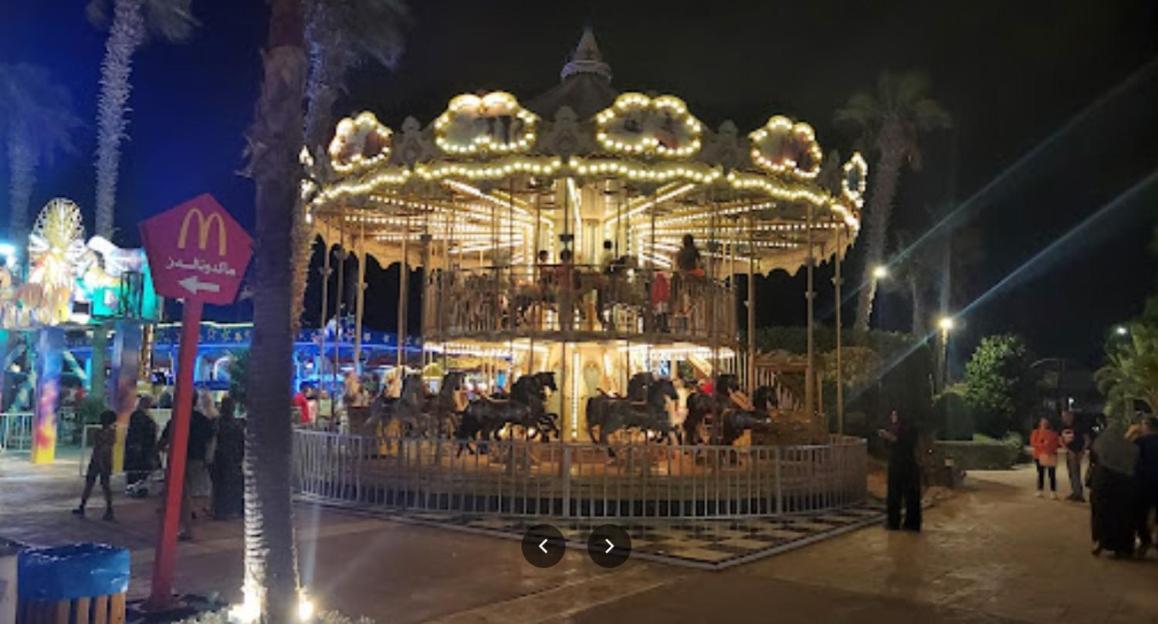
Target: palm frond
x=170 y=20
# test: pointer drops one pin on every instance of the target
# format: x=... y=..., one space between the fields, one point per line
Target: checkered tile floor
x=704 y=544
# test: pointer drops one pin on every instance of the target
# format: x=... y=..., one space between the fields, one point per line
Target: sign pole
x=197 y=252
x=178 y=444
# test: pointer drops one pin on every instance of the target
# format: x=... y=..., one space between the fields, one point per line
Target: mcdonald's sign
x=197 y=250
x=204 y=223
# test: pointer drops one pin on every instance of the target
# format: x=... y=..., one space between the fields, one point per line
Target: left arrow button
x=543 y=546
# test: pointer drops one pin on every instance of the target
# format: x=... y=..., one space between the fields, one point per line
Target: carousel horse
x=735 y=414
x=652 y=415
x=485 y=418
x=449 y=404
x=407 y=409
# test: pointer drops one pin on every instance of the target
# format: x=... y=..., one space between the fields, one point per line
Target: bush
x=983 y=452
x=998 y=383
x=954 y=417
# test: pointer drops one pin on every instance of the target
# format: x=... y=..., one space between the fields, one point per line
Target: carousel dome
x=584 y=87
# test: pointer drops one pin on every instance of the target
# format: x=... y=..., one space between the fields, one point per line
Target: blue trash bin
x=73 y=583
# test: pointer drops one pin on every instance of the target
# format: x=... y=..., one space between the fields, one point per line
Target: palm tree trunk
x=274 y=142
x=876 y=226
x=125 y=36
x=22 y=177
x=321 y=95
x=918 y=322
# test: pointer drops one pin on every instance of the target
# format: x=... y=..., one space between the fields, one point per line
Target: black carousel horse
x=733 y=420
x=485 y=418
x=612 y=414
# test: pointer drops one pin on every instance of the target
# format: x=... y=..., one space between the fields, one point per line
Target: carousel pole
x=810 y=295
x=751 y=302
x=360 y=298
x=325 y=301
x=534 y=248
x=839 y=346
x=443 y=302
x=511 y=281
x=403 y=279
x=339 y=300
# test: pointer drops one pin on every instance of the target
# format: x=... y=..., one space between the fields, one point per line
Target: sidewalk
x=993 y=553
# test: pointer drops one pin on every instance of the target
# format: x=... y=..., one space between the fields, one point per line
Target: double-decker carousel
x=582 y=249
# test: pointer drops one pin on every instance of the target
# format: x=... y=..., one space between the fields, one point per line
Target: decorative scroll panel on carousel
x=786 y=147
x=494 y=123
x=638 y=125
x=359 y=143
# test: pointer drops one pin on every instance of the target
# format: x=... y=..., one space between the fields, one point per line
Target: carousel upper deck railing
x=578 y=302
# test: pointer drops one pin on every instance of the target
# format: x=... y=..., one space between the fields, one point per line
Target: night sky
x=1011 y=73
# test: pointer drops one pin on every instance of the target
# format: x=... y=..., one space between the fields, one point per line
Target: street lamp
x=1121 y=330
x=880 y=272
x=946 y=324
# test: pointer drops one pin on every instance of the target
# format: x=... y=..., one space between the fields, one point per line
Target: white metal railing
x=16 y=431
x=579 y=480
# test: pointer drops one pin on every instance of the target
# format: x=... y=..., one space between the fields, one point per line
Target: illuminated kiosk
x=615 y=181
x=69 y=285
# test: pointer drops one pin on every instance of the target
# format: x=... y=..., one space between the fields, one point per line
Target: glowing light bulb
x=880 y=272
x=946 y=323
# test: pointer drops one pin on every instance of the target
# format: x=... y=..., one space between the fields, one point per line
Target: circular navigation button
x=543 y=545
x=609 y=546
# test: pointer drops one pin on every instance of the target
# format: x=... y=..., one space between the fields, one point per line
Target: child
x=101 y=464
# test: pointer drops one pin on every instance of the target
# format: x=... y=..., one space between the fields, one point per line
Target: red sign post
x=198 y=253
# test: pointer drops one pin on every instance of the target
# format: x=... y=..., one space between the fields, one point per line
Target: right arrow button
x=609 y=546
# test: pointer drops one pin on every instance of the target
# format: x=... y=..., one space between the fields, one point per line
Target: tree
x=890 y=123
x=38 y=123
x=275 y=140
x=1130 y=374
x=998 y=383
x=342 y=35
x=133 y=22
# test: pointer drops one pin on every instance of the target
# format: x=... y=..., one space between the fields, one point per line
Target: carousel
x=588 y=246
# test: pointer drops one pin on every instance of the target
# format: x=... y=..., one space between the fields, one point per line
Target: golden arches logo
x=203 y=230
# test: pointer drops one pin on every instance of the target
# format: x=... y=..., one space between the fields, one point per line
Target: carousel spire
x=586 y=59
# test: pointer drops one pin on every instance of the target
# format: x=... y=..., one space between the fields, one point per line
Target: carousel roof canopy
x=492 y=181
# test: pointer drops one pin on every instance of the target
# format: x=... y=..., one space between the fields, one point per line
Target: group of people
x=215 y=448
x=561 y=284
x=1122 y=477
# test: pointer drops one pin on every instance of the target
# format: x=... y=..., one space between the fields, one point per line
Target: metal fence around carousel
x=523 y=478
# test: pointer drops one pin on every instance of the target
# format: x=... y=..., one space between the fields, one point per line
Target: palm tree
x=38 y=123
x=1130 y=373
x=133 y=22
x=342 y=35
x=890 y=123
x=275 y=139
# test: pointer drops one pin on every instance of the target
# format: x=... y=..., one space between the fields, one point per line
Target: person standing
x=196 y=477
x=1146 y=474
x=1045 y=442
x=100 y=465
x=302 y=403
x=904 y=476
x=1113 y=492
x=228 y=480
x=1076 y=440
x=140 y=448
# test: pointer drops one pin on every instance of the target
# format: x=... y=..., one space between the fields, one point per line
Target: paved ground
x=993 y=553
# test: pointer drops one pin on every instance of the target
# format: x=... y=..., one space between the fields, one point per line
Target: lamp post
x=946 y=324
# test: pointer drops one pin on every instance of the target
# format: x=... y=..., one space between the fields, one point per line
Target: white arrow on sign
x=543 y=546
x=194 y=285
x=609 y=545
